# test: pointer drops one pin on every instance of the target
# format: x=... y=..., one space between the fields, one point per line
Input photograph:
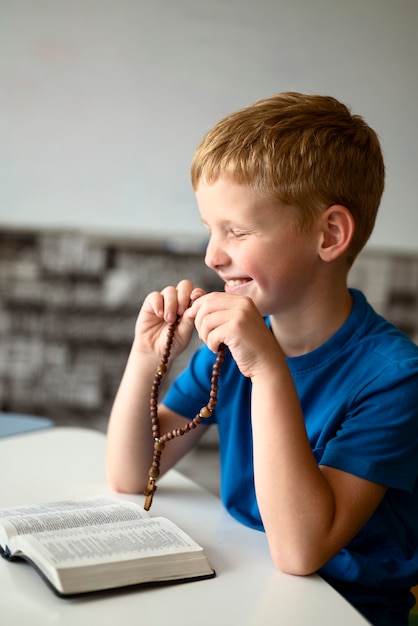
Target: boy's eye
x=238 y=233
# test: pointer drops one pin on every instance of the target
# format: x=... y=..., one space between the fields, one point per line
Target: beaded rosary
x=205 y=412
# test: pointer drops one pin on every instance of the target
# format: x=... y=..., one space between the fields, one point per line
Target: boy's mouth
x=236 y=282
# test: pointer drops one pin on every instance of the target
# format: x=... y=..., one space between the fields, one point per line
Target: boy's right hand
x=159 y=310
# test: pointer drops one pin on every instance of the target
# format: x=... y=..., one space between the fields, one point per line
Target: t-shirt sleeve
x=378 y=440
x=190 y=390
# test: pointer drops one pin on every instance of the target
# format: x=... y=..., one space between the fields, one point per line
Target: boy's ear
x=336 y=233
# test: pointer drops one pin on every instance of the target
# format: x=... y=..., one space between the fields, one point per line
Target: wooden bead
x=161 y=370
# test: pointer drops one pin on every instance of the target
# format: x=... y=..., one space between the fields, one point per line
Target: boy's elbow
x=118 y=487
x=295 y=569
x=120 y=484
x=296 y=563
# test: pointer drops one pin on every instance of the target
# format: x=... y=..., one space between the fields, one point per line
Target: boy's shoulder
x=378 y=336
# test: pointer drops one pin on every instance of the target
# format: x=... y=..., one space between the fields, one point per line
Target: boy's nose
x=215 y=256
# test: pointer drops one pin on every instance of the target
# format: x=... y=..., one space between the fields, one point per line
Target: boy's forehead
x=226 y=190
x=229 y=202
x=224 y=185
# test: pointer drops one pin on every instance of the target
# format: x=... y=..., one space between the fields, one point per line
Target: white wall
x=102 y=102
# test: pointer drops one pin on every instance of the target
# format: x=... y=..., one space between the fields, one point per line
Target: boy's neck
x=300 y=332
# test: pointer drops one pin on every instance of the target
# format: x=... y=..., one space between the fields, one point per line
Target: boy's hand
x=161 y=308
x=235 y=321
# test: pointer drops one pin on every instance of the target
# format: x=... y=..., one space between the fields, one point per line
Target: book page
x=114 y=542
x=68 y=514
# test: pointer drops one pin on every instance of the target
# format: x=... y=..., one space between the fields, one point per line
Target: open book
x=99 y=543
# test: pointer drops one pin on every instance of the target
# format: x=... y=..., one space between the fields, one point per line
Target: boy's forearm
x=130 y=442
x=129 y=436
x=309 y=512
x=286 y=475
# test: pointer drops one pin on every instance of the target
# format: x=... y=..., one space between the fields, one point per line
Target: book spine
x=5 y=552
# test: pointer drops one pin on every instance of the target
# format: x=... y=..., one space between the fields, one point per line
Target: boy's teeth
x=234 y=283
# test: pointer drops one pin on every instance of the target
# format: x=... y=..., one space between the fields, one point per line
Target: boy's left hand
x=236 y=322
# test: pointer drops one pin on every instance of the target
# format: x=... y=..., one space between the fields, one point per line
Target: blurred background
x=102 y=103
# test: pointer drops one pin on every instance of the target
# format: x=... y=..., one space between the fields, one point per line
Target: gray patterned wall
x=68 y=304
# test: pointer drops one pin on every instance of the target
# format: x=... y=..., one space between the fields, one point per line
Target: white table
x=65 y=463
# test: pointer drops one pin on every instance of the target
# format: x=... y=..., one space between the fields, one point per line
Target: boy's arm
x=309 y=512
x=129 y=437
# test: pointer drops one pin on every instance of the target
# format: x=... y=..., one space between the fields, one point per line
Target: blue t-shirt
x=359 y=396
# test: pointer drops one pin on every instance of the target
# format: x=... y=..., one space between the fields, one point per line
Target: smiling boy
x=317 y=411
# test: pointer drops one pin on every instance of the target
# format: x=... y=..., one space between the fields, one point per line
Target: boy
x=317 y=403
